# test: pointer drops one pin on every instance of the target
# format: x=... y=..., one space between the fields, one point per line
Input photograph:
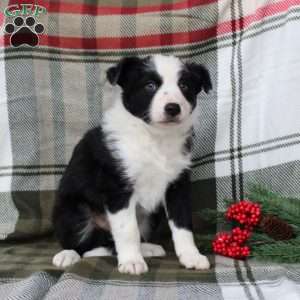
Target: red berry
x=245 y=212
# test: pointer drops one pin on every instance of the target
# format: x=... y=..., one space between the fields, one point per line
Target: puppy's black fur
x=94 y=180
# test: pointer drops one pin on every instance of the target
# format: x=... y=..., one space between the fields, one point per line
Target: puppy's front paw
x=65 y=258
x=194 y=260
x=133 y=267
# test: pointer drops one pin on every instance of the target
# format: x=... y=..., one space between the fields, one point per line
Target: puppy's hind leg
x=100 y=251
x=85 y=248
x=78 y=233
x=65 y=258
x=152 y=250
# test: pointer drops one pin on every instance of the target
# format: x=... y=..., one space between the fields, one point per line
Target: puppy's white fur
x=186 y=249
x=145 y=153
x=152 y=250
x=152 y=157
x=99 y=251
x=126 y=235
x=65 y=258
x=168 y=67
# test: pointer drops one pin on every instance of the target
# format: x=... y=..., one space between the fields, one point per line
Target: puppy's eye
x=183 y=86
x=151 y=86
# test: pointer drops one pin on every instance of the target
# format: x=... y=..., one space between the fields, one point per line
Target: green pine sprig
x=285 y=208
x=279 y=251
x=262 y=246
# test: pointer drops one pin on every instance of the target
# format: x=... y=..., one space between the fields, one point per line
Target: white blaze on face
x=169 y=68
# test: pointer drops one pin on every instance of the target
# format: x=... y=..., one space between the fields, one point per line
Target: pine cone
x=276 y=228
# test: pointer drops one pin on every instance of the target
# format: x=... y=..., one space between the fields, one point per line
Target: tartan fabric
x=247 y=129
x=98 y=278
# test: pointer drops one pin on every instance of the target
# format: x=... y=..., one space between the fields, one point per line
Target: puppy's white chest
x=151 y=164
x=151 y=160
x=159 y=167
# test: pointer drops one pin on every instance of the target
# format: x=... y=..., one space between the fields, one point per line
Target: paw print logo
x=24 y=31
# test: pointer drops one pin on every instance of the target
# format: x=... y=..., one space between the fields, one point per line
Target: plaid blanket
x=26 y=273
x=247 y=130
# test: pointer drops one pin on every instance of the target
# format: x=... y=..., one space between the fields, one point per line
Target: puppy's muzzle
x=172 y=110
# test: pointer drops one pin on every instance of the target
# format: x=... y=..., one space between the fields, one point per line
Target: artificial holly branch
x=267 y=226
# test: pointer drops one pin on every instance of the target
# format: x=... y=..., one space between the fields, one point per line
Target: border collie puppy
x=124 y=173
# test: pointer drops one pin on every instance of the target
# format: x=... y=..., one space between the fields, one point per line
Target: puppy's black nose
x=172 y=109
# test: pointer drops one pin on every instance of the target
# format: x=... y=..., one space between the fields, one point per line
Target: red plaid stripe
x=260 y=14
x=74 y=8
x=151 y=40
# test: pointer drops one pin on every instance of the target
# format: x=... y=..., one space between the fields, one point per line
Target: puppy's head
x=161 y=90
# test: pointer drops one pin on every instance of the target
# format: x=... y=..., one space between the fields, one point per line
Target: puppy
x=123 y=174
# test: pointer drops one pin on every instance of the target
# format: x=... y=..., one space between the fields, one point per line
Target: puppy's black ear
x=112 y=74
x=118 y=73
x=201 y=76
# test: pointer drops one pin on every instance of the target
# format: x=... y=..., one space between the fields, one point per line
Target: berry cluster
x=226 y=245
x=245 y=212
x=240 y=236
x=231 y=244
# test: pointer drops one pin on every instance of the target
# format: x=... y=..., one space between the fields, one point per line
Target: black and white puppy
x=122 y=173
